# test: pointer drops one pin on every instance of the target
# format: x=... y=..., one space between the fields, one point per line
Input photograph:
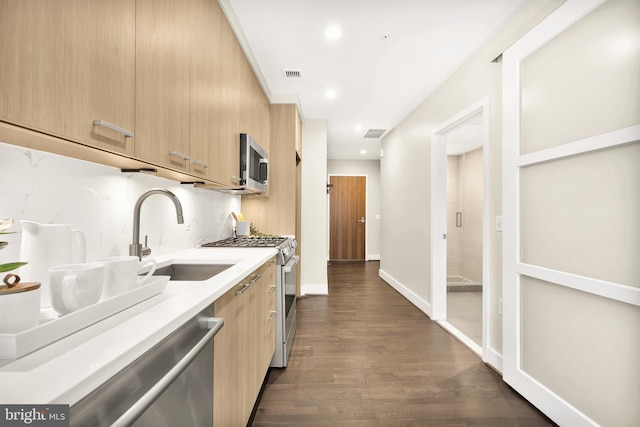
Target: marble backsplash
x=99 y=200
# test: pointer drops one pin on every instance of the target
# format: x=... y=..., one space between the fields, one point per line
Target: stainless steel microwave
x=254 y=165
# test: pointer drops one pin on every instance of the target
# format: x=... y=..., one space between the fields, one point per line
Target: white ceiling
x=378 y=80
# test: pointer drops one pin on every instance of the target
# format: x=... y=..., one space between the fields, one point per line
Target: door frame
x=439 y=227
x=366 y=212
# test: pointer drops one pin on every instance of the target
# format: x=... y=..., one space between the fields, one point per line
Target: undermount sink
x=191 y=272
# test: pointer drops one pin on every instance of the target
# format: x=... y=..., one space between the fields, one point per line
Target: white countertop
x=69 y=369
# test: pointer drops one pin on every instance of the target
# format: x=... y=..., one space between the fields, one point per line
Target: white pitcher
x=47 y=245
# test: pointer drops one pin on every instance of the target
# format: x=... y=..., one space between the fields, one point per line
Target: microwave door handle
x=264 y=170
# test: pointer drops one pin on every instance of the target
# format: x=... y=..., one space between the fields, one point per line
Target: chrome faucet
x=135 y=248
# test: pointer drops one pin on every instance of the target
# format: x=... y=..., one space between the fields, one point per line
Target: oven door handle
x=290 y=265
x=135 y=411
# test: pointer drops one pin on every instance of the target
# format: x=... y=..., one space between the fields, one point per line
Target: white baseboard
x=494 y=359
x=477 y=349
x=414 y=299
x=373 y=257
x=315 y=289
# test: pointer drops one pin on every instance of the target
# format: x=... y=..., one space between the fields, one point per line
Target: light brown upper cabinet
x=254 y=106
x=226 y=153
x=277 y=213
x=66 y=64
x=205 y=116
x=244 y=107
x=95 y=72
x=163 y=59
x=285 y=132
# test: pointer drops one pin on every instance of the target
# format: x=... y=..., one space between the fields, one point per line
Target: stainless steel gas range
x=285 y=288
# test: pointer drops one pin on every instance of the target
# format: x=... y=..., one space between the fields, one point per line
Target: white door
x=571 y=183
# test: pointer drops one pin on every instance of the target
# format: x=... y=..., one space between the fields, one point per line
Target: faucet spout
x=135 y=248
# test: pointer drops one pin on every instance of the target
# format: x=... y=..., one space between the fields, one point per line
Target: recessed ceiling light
x=358 y=128
x=333 y=32
x=363 y=151
x=331 y=93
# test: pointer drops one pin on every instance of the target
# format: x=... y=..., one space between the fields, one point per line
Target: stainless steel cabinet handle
x=272 y=289
x=248 y=284
x=125 y=132
x=200 y=163
x=244 y=288
x=138 y=408
x=272 y=316
x=179 y=154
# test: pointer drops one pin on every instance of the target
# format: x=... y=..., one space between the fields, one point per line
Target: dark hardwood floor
x=365 y=356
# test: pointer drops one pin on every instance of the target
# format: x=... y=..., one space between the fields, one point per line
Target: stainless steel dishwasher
x=170 y=385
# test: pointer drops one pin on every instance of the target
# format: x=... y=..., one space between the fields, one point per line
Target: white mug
x=75 y=286
x=121 y=273
x=242 y=228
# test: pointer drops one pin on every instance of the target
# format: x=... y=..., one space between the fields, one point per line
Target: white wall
x=405 y=170
x=99 y=200
x=314 y=208
x=371 y=169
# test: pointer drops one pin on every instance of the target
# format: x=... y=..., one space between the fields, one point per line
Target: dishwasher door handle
x=138 y=408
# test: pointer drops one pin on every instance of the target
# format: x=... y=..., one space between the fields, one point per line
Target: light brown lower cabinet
x=244 y=346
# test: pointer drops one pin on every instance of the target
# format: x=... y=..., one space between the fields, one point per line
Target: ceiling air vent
x=375 y=133
x=292 y=74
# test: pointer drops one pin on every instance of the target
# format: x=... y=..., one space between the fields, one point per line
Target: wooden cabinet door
x=254 y=106
x=243 y=345
x=206 y=62
x=66 y=63
x=253 y=345
x=277 y=213
x=162 y=82
x=263 y=112
x=269 y=314
x=226 y=152
x=228 y=403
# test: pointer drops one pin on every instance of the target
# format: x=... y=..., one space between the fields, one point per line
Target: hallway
x=364 y=356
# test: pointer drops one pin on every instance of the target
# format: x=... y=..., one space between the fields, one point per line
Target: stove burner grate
x=247 y=242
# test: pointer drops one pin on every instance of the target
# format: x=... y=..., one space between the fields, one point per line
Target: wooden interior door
x=347 y=217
